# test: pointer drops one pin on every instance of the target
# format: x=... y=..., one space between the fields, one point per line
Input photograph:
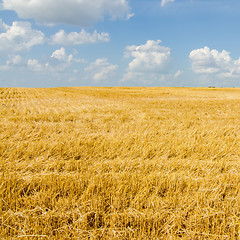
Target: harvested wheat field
x=120 y=163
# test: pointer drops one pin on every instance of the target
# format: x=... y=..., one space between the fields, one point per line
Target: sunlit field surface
x=120 y=163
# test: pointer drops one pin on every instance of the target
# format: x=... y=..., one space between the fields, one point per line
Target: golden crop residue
x=119 y=163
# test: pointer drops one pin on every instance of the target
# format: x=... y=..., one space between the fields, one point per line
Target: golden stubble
x=119 y=163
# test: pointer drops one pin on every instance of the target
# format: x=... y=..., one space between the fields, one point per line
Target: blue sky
x=50 y=43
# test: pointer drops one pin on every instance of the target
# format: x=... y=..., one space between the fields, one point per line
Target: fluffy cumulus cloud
x=60 y=60
x=57 y=62
x=101 y=69
x=17 y=61
x=13 y=61
x=35 y=65
x=151 y=60
x=75 y=12
x=77 y=38
x=60 y=54
x=207 y=61
x=19 y=36
x=164 y=2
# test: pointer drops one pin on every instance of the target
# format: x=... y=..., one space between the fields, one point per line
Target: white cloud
x=60 y=54
x=101 y=69
x=35 y=65
x=13 y=61
x=20 y=36
x=75 y=38
x=74 y=12
x=59 y=61
x=4 y=67
x=134 y=76
x=17 y=61
x=164 y=2
x=148 y=57
x=178 y=74
x=2 y=24
x=151 y=60
x=206 y=61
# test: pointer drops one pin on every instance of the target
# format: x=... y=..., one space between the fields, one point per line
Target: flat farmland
x=119 y=163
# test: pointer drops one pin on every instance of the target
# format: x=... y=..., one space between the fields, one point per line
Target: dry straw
x=119 y=163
